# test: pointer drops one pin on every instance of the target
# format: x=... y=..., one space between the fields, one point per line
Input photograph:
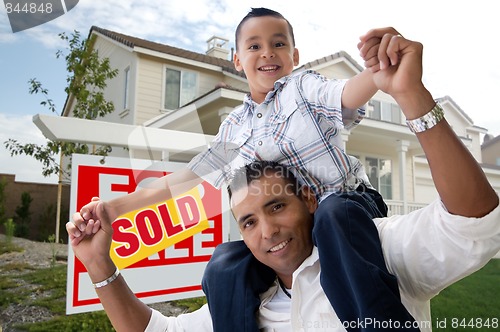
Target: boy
x=294 y=119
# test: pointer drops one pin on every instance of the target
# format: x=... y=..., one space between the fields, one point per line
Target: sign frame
x=171 y=274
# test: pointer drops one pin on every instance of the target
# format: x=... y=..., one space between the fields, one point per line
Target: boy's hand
x=400 y=68
x=373 y=45
x=369 y=52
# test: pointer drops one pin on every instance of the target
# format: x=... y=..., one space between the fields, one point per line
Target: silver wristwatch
x=427 y=121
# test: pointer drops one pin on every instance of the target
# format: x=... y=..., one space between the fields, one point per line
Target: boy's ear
x=237 y=63
x=295 y=56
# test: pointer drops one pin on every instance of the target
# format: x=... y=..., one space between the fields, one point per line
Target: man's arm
x=125 y=311
x=460 y=181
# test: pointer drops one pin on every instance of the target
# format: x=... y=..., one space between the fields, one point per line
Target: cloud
x=459 y=57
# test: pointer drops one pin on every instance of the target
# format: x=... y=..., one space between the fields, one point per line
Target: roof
x=331 y=57
x=490 y=141
x=448 y=99
x=132 y=42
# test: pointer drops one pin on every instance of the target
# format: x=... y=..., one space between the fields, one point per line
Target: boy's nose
x=268 y=53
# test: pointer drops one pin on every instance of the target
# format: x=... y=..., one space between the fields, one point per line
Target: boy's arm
x=358 y=90
x=159 y=190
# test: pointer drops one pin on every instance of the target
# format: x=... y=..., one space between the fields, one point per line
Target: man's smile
x=279 y=246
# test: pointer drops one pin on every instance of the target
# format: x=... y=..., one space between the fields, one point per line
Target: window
x=385 y=111
x=376 y=109
x=126 y=92
x=380 y=175
x=180 y=88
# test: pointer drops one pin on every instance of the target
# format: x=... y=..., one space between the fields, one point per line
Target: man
x=426 y=250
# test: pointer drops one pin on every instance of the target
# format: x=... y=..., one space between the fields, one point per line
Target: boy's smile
x=265 y=53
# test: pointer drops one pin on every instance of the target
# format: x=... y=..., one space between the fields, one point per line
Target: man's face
x=275 y=223
x=265 y=53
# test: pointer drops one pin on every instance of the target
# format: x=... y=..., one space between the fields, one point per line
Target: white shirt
x=427 y=250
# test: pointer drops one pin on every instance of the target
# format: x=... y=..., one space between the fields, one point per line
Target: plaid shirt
x=298 y=124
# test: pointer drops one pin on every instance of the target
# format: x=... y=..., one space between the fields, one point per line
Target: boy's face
x=275 y=223
x=265 y=53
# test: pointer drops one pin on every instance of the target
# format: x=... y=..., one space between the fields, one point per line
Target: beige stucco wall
x=491 y=153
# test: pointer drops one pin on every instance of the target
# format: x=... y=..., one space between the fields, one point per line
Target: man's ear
x=309 y=198
x=295 y=56
x=237 y=63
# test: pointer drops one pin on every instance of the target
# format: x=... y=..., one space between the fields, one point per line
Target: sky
x=460 y=49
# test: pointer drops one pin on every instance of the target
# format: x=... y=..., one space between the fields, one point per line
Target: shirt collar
x=309 y=261
x=278 y=85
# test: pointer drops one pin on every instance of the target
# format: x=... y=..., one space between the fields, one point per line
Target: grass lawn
x=470 y=304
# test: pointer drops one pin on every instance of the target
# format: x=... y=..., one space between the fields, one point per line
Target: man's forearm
x=459 y=180
x=125 y=311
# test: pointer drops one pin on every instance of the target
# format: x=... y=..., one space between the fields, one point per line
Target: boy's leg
x=232 y=282
x=353 y=271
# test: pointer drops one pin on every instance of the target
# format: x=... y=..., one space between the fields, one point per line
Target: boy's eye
x=279 y=44
x=253 y=47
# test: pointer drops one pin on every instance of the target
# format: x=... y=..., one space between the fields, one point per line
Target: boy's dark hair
x=242 y=177
x=259 y=12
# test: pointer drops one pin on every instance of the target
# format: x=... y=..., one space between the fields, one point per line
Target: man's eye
x=248 y=223
x=277 y=207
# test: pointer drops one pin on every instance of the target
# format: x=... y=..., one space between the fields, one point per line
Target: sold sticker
x=142 y=233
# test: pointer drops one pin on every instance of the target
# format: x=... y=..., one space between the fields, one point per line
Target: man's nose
x=269 y=229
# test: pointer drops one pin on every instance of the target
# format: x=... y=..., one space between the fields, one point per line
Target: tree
x=23 y=215
x=3 y=198
x=87 y=78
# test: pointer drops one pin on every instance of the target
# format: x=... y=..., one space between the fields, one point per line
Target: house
x=161 y=86
x=490 y=151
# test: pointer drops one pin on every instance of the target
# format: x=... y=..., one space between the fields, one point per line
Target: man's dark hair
x=259 y=12
x=242 y=177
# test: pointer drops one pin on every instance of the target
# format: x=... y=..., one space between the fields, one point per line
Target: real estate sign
x=162 y=249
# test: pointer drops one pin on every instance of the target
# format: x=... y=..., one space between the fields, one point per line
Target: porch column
x=345 y=137
x=402 y=148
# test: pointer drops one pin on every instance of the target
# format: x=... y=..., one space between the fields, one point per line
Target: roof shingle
x=132 y=42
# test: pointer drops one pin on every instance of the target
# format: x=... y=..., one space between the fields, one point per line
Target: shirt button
x=259 y=115
x=260 y=143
